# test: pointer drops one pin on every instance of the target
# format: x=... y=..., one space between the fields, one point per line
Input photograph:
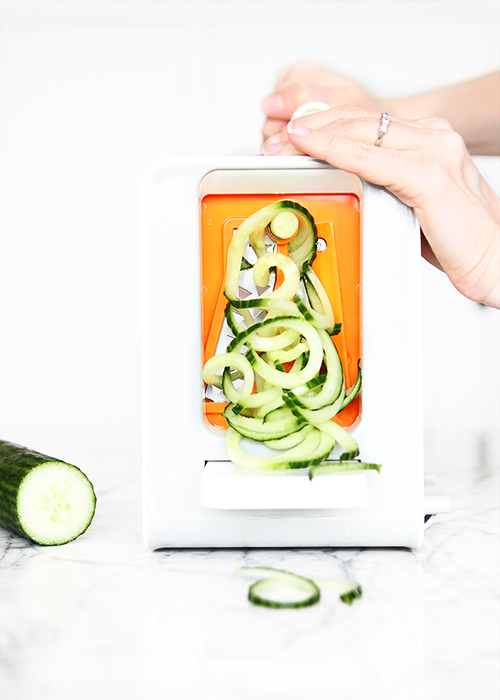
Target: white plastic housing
x=191 y=496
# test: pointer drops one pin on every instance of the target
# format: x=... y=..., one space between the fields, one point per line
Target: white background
x=92 y=93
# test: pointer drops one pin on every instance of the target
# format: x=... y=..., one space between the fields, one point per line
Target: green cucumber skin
x=349 y=597
x=16 y=462
x=257 y=599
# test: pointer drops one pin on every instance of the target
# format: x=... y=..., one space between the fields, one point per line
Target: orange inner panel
x=338 y=266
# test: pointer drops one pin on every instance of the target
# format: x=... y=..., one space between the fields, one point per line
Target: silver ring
x=385 y=120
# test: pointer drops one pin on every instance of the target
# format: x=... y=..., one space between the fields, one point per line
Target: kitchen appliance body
x=192 y=495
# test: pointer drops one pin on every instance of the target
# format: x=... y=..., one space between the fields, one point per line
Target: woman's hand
x=425 y=163
x=472 y=107
x=306 y=81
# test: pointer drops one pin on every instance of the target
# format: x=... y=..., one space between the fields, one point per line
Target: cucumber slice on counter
x=281 y=589
x=46 y=500
x=348 y=590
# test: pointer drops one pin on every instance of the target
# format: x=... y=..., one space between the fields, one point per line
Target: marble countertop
x=103 y=617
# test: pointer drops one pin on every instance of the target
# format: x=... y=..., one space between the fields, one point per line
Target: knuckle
x=448 y=159
x=445 y=149
x=272 y=127
x=443 y=124
x=300 y=70
x=360 y=153
x=437 y=123
x=303 y=67
x=454 y=145
x=301 y=93
x=330 y=151
x=347 y=112
x=363 y=152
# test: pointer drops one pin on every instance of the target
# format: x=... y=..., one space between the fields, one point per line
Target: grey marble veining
x=103 y=617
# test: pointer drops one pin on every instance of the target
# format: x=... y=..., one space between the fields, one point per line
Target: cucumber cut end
x=55 y=503
x=284 y=225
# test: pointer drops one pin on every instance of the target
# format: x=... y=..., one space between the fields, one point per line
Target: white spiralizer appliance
x=192 y=495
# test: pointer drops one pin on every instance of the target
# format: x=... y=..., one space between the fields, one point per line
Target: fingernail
x=270 y=149
x=273 y=104
x=298 y=129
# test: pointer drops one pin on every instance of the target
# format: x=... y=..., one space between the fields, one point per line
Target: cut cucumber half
x=48 y=501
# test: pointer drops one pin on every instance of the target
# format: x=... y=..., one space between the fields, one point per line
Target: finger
x=281 y=148
x=303 y=70
x=374 y=164
x=283 y=103
x=281 y=135
x=274 y=106
x=315 y=121
x=368 y=129
x=364 y=125
x=272 y=127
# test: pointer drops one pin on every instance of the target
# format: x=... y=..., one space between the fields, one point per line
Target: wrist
x=472 y=263
x=462 y=227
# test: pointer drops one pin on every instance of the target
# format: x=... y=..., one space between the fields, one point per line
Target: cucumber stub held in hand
x=48 y=501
